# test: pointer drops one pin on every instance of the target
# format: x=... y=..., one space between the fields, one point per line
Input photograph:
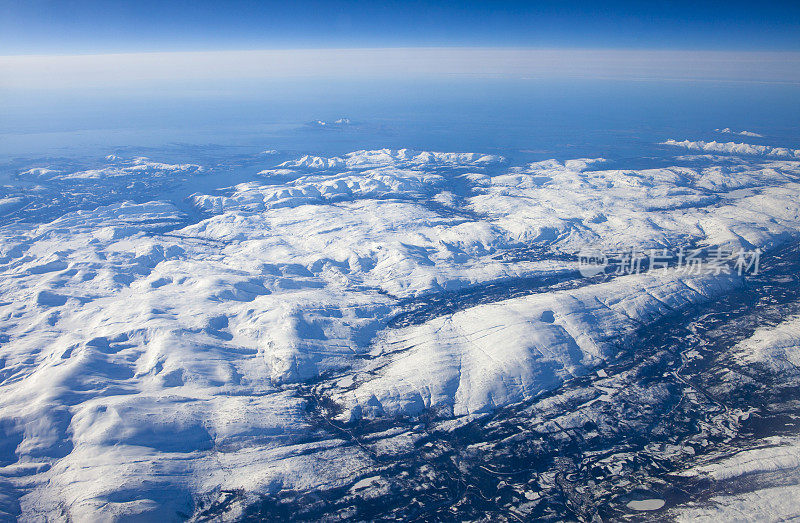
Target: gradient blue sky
x=94 y=26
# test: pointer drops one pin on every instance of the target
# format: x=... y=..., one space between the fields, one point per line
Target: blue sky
x=87 y=26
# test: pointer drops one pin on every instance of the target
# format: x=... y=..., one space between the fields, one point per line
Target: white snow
x=735 y=148
x=117 y=167
x=776 y=347
x=8 y=204
x=141 y=369
x=774 y=503
x=768 y=505
x=645 y=504
x=780 y=455
x=384 y=157
x=490 y=355
x=140 y=165
x=727 y=130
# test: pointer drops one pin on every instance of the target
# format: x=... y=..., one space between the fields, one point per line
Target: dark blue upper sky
x=97 y=26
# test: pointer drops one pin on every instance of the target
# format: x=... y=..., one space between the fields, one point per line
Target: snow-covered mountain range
x=154 y=356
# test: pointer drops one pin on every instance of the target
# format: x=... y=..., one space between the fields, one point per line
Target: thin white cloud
x=72 y=71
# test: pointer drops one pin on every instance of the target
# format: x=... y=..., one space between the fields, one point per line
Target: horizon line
x=111 y=69
x=620 y=49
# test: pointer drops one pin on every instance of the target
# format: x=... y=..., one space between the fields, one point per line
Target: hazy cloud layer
x=34 y=71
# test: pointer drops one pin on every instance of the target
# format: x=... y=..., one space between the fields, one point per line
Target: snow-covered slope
x=139 y=166
x=766 y=477
x=495 y=354
x=777 y=347
x=736 y=148
x=778 y=456
x=388 y=157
